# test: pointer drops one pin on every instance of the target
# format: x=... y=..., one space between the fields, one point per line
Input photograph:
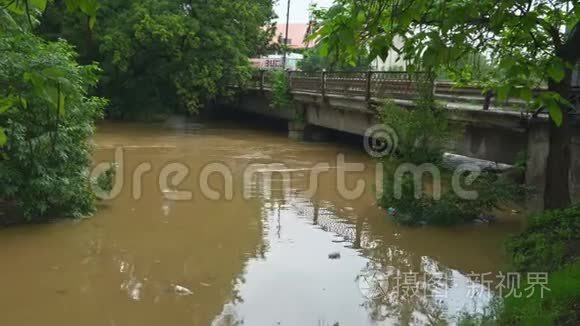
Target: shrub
x=422 y=131
x=557 y=306
x=450 y=209
x=548 y=241
x=281 y=95
x=105 y=181
x=44 y=165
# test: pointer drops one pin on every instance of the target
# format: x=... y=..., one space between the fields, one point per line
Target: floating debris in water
x=182 y=291
x=334 y=255
x=392 y=211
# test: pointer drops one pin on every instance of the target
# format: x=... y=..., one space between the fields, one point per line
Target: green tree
x=18 y=16
x=533 y=43
x=164 y=56
x=47 y=118
x=314 y=61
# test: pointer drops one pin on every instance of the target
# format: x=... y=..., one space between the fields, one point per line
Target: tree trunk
x=557 y=190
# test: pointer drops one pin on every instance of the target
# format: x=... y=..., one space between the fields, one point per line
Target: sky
x=298 y=9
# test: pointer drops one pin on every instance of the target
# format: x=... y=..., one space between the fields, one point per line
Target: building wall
x=392 y=62
x=275 y=61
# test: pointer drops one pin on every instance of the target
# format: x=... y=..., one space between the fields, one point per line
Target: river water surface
x=277 y=257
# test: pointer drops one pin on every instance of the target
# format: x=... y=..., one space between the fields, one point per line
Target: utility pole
x=286 y=36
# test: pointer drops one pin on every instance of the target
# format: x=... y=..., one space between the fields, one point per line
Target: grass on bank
x=549 y=244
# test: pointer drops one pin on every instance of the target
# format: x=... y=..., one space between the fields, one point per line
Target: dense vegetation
x=281 y=93
x=47 y=118
x=423 y=208
x=551 y=239
x=162 y=56
x=422 y=131
x=551 y=243
x=315 y=61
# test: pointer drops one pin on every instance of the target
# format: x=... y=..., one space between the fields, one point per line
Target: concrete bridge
x=348 y=102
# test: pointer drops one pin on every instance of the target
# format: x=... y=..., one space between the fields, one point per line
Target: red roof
x=296 y=34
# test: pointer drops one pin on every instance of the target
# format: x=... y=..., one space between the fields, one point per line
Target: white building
x=392 y=62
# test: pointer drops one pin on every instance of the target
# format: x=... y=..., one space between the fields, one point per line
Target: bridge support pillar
x=297 y=125
x=296 y=130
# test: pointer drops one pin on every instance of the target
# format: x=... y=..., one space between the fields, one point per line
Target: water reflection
x=262 y=261
x=372 y=283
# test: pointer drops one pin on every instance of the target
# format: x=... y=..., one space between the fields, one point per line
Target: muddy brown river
x=240 y=250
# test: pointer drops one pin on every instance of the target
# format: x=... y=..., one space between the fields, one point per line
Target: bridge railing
x=369 y=84
x=306 y=81
x=384 y=84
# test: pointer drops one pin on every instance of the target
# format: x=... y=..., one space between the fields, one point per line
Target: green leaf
x=555 y=112
x=526 y=94
x=3 y=137
x=556 y=71
x=89 y=7
x=72 y=5
x=16 y=7
x=24 y=102
x=503 y=92
x=92 y=21
x=35 y=79
x=39 y=4
x=6 y=103
x=430 y=57
x=324 y=49
x=360 y=18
